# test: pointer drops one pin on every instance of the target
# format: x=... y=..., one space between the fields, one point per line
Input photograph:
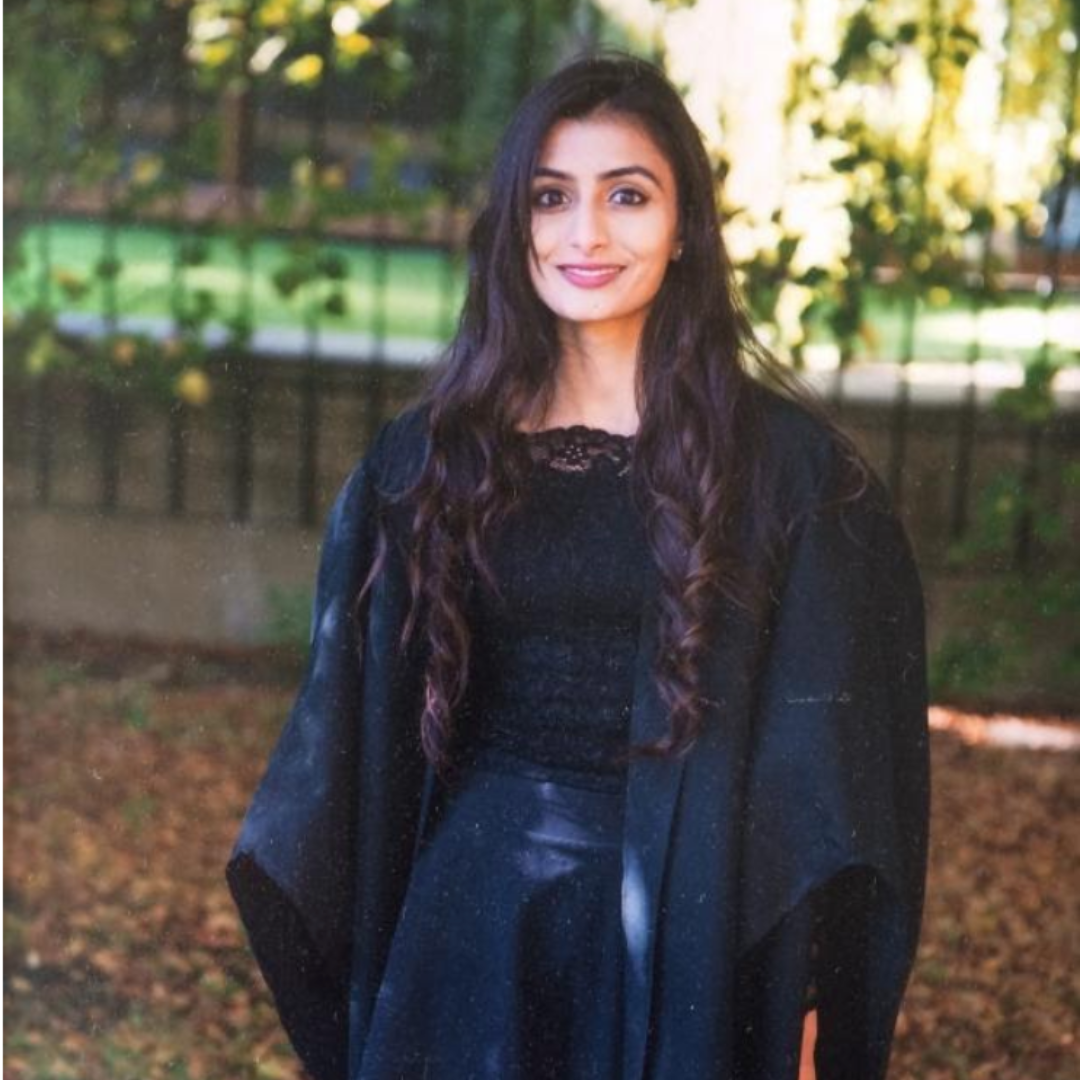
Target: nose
x=588 y=227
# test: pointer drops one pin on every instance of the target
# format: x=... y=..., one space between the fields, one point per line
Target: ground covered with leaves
x=128 y=770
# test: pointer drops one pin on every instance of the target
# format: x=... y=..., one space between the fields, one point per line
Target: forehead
x=597 y=144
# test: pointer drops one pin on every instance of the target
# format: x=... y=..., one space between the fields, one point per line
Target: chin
x=580 y=314
x=583 y=310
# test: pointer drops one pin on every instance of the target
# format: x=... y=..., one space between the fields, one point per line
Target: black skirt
x=506 y=963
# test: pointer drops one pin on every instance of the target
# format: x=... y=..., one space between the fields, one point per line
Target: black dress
x=813 y=765
x=506 y=962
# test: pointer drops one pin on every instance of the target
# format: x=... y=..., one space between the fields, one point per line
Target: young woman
x=610 y=761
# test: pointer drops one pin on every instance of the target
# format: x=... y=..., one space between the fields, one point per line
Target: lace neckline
x=577 y=448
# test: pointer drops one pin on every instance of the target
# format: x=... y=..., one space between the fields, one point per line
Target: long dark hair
x=700 y=468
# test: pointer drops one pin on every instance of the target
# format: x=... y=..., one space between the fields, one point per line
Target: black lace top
x=551 y=682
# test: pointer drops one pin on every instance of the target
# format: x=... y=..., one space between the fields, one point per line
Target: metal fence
x=64 y=429
x=275 y=443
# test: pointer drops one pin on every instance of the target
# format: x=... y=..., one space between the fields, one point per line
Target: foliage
x=72 y=136
x=230 y=46
x=1019 y=622
x=34 y=343
x=173 y=371
x=299 y=41
x=1014 y=638
x=1010 y=497
x=47 y=88
x=289 y=621
x=913 y=134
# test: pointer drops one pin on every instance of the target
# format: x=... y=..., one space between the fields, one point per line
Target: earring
x=678 y=253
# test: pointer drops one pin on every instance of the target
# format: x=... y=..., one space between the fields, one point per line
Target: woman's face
x=605 y=222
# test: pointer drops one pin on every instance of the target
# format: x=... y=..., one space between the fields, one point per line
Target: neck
x=596 y=379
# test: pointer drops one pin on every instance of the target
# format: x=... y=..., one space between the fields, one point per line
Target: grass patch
x=419 y=292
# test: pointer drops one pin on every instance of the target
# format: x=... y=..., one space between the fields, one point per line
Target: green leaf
x=192 y=251
x=335 y=304
x=107 y=268
x=288 y=279
x=333 y=265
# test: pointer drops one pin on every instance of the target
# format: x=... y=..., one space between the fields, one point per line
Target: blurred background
x=234 y=235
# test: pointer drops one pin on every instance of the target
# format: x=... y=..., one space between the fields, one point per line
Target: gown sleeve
x=834 y=861
x=291 y=872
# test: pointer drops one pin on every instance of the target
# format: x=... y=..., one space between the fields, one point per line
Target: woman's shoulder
x=809 y=454
x=829 y=494
x=397 y=453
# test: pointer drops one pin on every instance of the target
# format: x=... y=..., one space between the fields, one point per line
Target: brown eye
x=628 y=197
x=548 y=199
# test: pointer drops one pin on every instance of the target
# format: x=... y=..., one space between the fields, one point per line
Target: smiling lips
x=590 y=275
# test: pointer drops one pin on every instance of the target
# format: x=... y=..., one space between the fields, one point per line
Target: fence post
x=308 y=479
x=967 y=418
x=966 y=432
x=377 y=366
x=176 y=459
x=39 y=187
x=309 y=436
x=175 y=44
x=1030 y=477
x=243 y=425
x=106 y=416
x=901 y=404
x=43 y=422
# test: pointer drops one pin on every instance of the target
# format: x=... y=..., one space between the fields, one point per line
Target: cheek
x=540 y=282
x=654 y=240
x=540 y=272
x=536 y=269
x=544 y=235
x=658 y=257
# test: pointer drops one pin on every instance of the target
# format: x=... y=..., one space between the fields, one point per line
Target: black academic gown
x=788 y=845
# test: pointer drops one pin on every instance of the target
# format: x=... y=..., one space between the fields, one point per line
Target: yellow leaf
x=172 y=348
x=214 y=54
x=124 y=352
x=305 y=70
x=303 y=172
x=333 y=176
x=41 y=355
x=869 y=335
x=146 y=169
x=355 y=44
x=193 y=387
x=274 y=13
x=272 y=1069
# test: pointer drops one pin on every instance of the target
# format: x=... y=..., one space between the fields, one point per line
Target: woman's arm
x=809 y=1038
x=838 y=789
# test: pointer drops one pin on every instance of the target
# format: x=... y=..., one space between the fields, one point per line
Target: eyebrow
x=611 y=174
